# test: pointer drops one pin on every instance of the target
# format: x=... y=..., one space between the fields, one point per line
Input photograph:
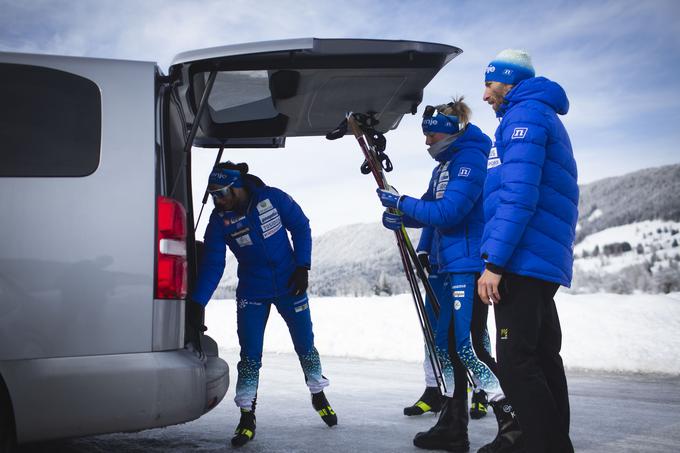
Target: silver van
x=97 y=244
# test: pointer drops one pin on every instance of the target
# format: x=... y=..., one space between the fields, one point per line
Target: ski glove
x=195 y=326
x=299 y=280
x=391 y=221
x=424 y=259
x=389 y=198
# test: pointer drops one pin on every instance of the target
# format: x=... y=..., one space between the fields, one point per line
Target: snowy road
x=610 y=413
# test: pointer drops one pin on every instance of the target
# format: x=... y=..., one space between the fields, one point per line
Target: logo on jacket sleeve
x=494 y=160
x=464 y=172
x=519 y=132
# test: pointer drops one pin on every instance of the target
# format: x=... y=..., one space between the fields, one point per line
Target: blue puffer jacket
x=260 y=243
x=531 y=193
x=453 y=203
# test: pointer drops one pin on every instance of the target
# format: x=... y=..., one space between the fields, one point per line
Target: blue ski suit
x=453 y=206
x=258 y=239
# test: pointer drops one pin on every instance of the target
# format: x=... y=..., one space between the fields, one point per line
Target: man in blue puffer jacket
x=530 y=205
x=253 y=219
x=452 y=206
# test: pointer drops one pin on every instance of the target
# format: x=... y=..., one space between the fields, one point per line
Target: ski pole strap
x=376 y=139
x=384 y=160
x=338 y=132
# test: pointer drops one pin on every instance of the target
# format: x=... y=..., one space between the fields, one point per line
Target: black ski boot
x=323 y=407
x=430 y=401
x=245 y=431
x=509 y=437
x=478 y=408
x=450 y=432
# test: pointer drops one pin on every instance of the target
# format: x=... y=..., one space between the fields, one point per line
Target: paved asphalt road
x=610 y=413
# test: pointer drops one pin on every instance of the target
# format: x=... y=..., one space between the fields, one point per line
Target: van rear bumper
x=77 y=396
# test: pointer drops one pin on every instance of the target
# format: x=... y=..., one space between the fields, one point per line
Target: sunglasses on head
x=430 y=110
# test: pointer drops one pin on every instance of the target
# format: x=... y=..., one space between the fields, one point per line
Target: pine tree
x=654 y=258
x=382 y=287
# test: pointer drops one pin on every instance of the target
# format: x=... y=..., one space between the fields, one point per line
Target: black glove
x=195 y=327
x=424 y=259
x=299 y=280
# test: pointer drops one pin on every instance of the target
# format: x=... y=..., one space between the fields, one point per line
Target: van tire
x=8 y=440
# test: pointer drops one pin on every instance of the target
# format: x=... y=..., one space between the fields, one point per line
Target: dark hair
x=229 y=165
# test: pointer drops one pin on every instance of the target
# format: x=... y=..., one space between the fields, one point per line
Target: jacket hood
x=473 y=137
x=537 y=89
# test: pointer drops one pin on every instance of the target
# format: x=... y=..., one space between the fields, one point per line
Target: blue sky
x=617 y=60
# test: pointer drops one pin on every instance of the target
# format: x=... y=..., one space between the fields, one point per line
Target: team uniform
x=530 y=202
x=452 y=206
x=258 y=238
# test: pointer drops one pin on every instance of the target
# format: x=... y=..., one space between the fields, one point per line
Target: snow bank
x=631 y=333
x=647 y=232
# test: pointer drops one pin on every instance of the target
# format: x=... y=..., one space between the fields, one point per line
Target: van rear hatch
x=267 y=91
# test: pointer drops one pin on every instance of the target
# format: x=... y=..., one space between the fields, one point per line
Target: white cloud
x=616 y=60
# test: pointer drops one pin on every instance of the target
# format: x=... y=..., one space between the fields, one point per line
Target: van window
x=50 y=122
x=240 y=96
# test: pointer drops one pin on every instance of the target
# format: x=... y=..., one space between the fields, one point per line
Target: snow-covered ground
x=369 y=395
x=609 y=332
x=601 y=331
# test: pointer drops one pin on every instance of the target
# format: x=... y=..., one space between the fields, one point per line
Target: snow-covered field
x=659 y=238
x=610 y=332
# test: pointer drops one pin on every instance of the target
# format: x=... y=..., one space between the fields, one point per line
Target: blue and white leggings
x=251 y=318
x=455 y=293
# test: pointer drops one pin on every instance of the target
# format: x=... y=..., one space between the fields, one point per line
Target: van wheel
x=7 y=431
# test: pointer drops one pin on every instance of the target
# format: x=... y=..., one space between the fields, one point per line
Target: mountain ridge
x=362 y=259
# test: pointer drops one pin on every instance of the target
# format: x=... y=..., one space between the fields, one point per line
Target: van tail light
x=171 y=274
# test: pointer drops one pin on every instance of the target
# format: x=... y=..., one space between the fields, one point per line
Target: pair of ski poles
x=413 y=269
